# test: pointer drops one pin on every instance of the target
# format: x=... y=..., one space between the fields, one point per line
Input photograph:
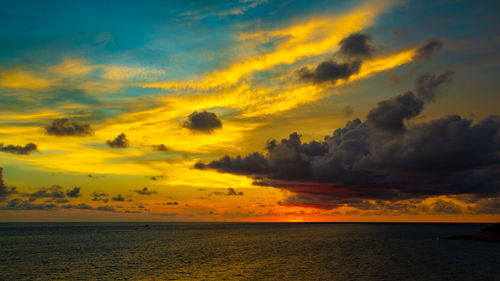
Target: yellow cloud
x=161 y=124
x=36 y=116
x=305 y=39
x=266 y=100
x=71 y=68
x=22 y=79
x=124 y=72
x=75 y=73
x=384 y=63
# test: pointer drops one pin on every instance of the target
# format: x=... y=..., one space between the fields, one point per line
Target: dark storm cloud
x=330 y=71
x=381 y=159
x=120 y=141
x=354 y=48
x=391 y=114
x=427 y=84
x=19 y=149
x=65 y=127
x=315 y=201
x=159 y=147
x=254 y=163
x=75 y=192
x=145 y=191
x=426 y=51
x=203 y=121
x=357 y=46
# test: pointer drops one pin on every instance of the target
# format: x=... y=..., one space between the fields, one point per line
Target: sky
x=250 y=110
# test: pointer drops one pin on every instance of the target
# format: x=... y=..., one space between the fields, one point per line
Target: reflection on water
x=197 y=251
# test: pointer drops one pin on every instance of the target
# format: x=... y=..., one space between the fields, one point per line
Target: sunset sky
x=250 y=110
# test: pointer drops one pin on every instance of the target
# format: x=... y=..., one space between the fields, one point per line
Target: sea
x=244 y=251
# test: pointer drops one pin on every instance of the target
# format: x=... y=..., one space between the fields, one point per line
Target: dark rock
x=492 y=229
x=490 y=233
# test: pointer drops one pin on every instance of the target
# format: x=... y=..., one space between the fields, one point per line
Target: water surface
x=237 y=251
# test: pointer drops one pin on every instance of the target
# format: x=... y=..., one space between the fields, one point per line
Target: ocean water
x=240 y=251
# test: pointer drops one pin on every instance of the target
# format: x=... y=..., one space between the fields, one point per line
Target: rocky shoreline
x=490 y=233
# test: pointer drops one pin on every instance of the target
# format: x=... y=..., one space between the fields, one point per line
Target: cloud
x=3 y=187
x=171 y=203
x=487 y=206
x=53 y=192
x=229 y=192
x=209 y=10
x=348 y=111
x=427 y=84
x=18 y=149
x=75 y=192
x=100 y=196
x=384 y=159
x=5 y=191
x=232 y=192
x=145 y=191
x=19 y=204
x=446 y=207
x=65 y=127
x=105 y=208
x=81 y=206
x=118 y=198
x=394 y=79
x=317 y=36
x=84 y=206
x=203 y=121
x=330 y=71
x=426 y=51
x=155 y=178
x=357 y=46
x=252 y=164
x=354 y=48
x=159 y=147
x=120 y=141
x=390 y=114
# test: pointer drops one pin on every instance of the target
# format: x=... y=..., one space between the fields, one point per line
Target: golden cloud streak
x=303 y=40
